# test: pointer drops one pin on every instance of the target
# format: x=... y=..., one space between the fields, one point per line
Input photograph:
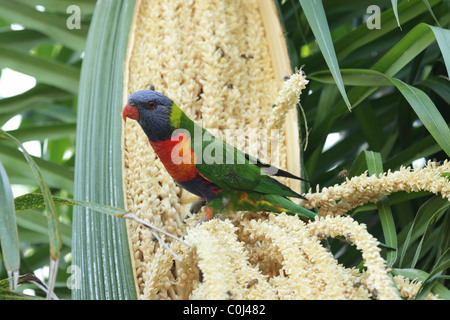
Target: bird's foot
x=199 y=222
x=208 y=216
x=196 y=206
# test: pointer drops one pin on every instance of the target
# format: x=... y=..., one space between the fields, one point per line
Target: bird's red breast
x=177 y=156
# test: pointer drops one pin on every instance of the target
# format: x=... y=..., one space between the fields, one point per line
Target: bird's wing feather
x=271 y=170
x=242 y=173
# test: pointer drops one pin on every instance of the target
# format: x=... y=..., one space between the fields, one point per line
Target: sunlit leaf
x=53 y=25
x=421 y=220
x=394 y=7
x=375 y=166
x=443 y=40
x=47 y=71
x=53 y=220
x=319 y=25
x=418 y=100
x=9 y=238
x=442 y=264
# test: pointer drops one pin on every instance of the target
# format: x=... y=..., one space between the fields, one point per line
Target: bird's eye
x=152 y=104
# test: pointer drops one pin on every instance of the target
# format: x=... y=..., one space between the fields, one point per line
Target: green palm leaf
x=9 y=238
x=318 y=22
x=103 y=256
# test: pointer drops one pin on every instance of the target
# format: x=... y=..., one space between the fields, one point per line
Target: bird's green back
x=225 y=165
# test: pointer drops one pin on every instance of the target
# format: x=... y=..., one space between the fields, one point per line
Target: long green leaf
x=53 y=131
x=392 y=62
x=53 y=25
x=430 y=10
x=319 y=25
x=353 y=77
x=427 y=113
x=46 y=71
x=55 y=175
x=32 y=98
x=375 y=166
x=86 y=6
x=370 y=126
x=8 y=295
x=9 y=237
x=53 y=220
x=434 y=216
x=440 y=85
x=374 y=163
x=443 y=40
x=23 y=40
x=362 y=36
x=418 y=100
x=327 y=99
x=421 y=220
x=388 y=226
x=36 y=201
x=100 y=243
x=442 y=264
x=37 y=222
x=422 y=148
x=395 y=198
x=358 y=166
x=394 y=8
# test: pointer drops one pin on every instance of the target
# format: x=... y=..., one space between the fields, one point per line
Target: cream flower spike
x=288 y=97
x=362 y=189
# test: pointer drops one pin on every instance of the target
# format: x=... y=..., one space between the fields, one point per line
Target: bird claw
x=208 y=217
x=199 y=222
x=196 y=206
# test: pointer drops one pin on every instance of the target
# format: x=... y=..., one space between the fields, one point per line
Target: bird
x=225 y=178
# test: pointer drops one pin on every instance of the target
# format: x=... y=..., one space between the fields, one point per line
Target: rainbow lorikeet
x=229 y=181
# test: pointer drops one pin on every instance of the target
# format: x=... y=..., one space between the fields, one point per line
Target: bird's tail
x=290 y=207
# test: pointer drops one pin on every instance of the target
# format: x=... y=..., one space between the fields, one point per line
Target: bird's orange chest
x=177 y=156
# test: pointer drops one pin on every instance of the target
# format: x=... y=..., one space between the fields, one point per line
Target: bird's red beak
x=130 y=112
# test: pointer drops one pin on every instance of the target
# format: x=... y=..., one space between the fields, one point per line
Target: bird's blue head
x=152 y=111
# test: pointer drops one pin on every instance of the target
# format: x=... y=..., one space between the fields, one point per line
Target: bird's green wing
x=229 y=167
